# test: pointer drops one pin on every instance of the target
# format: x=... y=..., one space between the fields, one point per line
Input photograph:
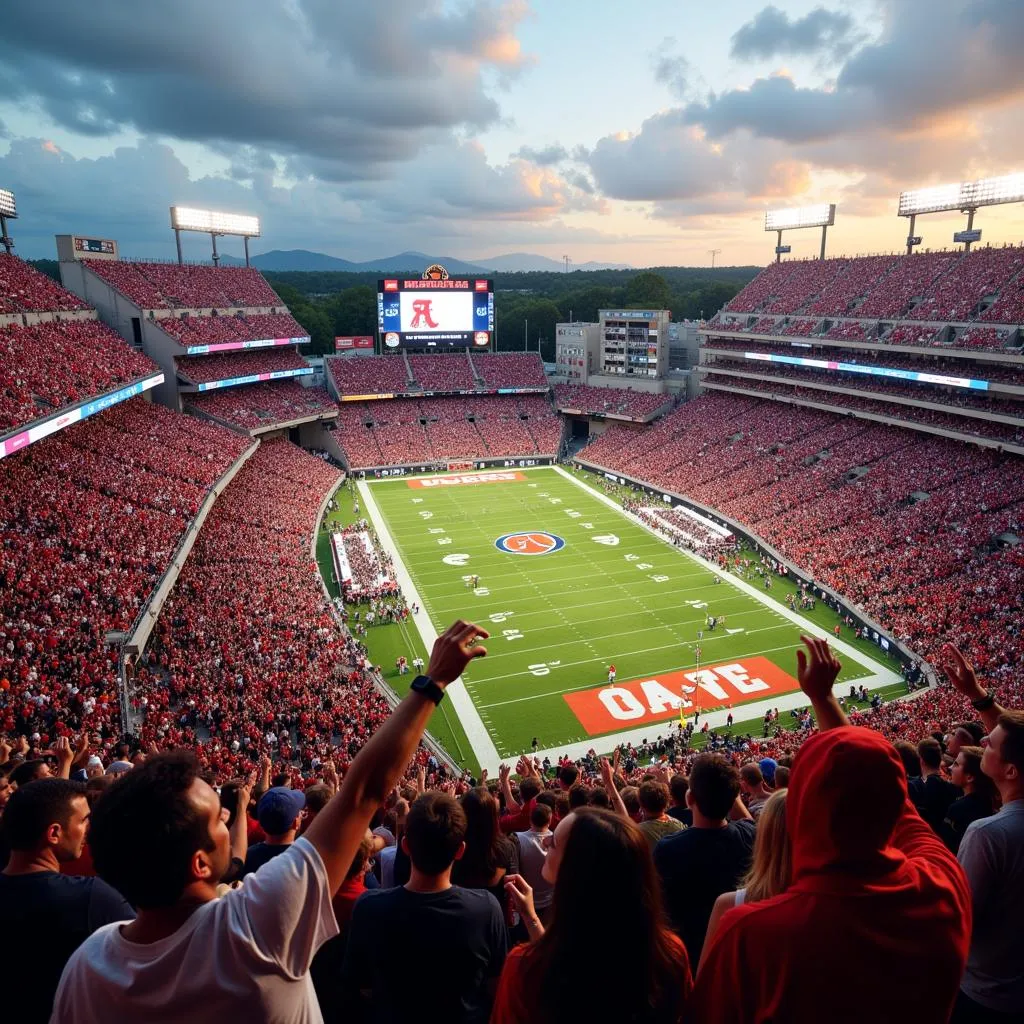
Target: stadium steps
x=478 y=381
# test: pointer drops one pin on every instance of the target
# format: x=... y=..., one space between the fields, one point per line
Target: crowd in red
x=925 y=568
x=443 y=372
x=410 y=430
x=510 y=369
x=188 y=286
x=609 y=401
x=251 y=406
x=25 y=289
x=205 y=369
x=52 y=365
x=89 y=519
x=218 y=330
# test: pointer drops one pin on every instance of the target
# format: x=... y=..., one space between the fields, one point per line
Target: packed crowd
x=731 y=871
x=682 y=529
x=372 y=571
x=252 y=406
x=52 y=365
x=409 y=430
x=911 y=541
x=188 y=286
x=609 y=401
x=23 y=289
x=206 y=369
x=218 y=330
x=458 y=371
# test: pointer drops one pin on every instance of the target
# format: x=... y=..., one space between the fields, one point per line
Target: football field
x=569 y=585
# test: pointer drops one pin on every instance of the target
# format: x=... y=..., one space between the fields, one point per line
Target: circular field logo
x=534 y=543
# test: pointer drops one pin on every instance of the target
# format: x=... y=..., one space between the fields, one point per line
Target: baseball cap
x=94 y=761
x=768 y=766
x=278 y=808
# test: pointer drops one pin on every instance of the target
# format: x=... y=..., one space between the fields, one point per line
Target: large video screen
x=435 y=314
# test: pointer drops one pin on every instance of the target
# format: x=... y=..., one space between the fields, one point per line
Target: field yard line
x=476 y=732
x=633 y=632
x=882 y=674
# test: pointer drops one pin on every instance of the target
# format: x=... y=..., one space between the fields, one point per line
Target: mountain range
x=303 y=259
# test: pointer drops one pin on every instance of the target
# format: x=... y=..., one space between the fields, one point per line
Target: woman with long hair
x=770 y=866
x=489 y=855
x=980 y=799
x=605 y=883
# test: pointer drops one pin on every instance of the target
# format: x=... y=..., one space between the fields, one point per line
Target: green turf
x=557 y=620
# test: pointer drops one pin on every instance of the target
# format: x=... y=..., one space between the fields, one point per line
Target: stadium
x=212 y=541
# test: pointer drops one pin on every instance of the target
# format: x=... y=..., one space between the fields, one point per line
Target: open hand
x=454 y=650
x=817 y=669
x=961 y=672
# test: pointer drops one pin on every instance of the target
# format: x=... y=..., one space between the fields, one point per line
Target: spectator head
x=772 y=861
x=529 y=789
x=160 y=833
x=678 y=786
x=568 y=775
x=562 y=807
x=540 y=817
x=598 y=798
x=1003 y=761
x=967 y=774
x=317 y=798
x=654 y=797
x=714 y=786
x=483 y=836
x=96 y=787
x=435 y=833
x=29 y=771
x=6 y=789
x=831 y=825
x=597 y=847
x=280 y=811
x=363 y=859
x=782 y=776
x=48 y=816
x=964 y=734
x=930 y=754
x=768 y=766
x=550 y=799
x=907 y=753
x=751 y=779
x=579 y=796
x=631 y=798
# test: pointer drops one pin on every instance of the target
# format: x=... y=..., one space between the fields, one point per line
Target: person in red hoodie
x=874 y=891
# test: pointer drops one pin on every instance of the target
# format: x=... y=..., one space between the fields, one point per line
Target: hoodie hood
x=846 y=793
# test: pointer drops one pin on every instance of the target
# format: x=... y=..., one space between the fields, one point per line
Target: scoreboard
x=435 y=313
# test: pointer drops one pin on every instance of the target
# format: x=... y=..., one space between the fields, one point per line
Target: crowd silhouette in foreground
x=860 y=880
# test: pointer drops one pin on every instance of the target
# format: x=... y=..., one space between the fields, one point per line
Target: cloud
x=673 y=70
x=772 y=33
x=543 y=157
x=354 y=85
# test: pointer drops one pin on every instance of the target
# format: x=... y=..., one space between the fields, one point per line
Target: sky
x=647 y=132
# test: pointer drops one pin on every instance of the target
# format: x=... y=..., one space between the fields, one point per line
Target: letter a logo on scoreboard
x=535 y=543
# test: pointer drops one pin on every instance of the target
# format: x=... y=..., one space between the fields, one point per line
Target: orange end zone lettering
x=503 y=477
x=660 y=698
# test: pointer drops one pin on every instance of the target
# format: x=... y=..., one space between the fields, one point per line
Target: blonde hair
x=772 y=862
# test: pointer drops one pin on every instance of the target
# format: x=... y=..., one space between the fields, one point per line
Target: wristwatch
x=984 y=703
x=426 y=686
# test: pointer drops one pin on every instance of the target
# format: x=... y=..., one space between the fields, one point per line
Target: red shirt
x=520 y=821
x=873 y=889
x=345 y=899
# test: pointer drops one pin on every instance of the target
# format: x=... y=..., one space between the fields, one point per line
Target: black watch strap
x=427 y=686
x=984 y=703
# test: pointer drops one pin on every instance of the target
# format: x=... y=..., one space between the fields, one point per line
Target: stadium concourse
x=177 y=550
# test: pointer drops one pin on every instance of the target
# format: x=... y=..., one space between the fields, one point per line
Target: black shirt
x=259 y=853
x=932 y=797
x=683 y=814
x=46 y=917
x=959 y=815
x=446 y=947
x=696 y=866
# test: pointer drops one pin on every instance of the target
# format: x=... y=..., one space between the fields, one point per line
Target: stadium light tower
x=823 y=216
x=965 y=196
x=714 y=253
x=212 y=223
x=8 y=211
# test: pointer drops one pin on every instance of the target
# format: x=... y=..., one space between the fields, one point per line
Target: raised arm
x=608 y=778
x=341 y=825
x=961 y=674
x=239 y=831
x=817 y=670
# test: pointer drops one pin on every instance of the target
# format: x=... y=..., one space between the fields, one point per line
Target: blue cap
x=768 y=766
x=278 y=808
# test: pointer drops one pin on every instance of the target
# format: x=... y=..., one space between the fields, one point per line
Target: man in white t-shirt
x=533 y=851
x=159 y=835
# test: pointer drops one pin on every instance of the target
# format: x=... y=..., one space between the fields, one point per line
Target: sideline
x=479 y=738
